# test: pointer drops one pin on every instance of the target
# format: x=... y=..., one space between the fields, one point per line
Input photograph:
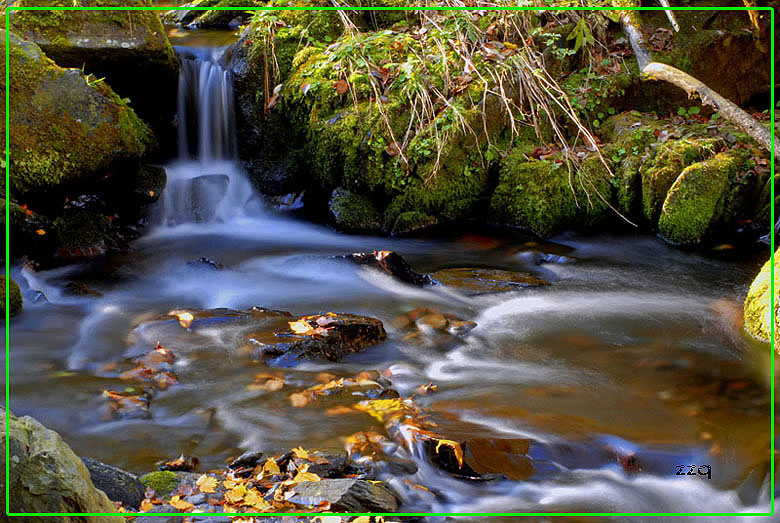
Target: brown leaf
x=393 y=149
x=341 y=87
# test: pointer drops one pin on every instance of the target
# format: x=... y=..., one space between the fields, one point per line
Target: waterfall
x=206 y=183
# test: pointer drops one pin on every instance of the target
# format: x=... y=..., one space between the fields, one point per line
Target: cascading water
x=205 y=183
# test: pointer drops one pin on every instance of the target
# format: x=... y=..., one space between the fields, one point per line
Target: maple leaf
x=300 y=452
x=270 y=468
x=255 y=500
x=236 y=494
x=180 y=504
x=304 y=475
x=206 y=484
x=146 y=505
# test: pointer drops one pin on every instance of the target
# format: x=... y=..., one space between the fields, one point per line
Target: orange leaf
x=300 y=452
x=40 y=232
x=300 y=399
x=341 y=87
x=456 y=448
x=270 y=468
x=178 y=503
x=146 y=506
x=300 y=327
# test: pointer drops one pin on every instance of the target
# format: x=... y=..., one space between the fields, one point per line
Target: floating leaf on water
x=185 y=319
x=300 y=399
x=339 y=410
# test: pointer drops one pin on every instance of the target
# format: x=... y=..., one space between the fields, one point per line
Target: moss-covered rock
x=353 y=212
x=162 y=481
x=533 y=195
x=662 y=170
x=47 y=477
x=64 y=125
x=14 y=297
x=758 y=312
x=130 y=49
x=222 y=18
x=695 y=202
x=81 y=233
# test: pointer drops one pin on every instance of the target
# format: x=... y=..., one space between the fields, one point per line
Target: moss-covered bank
x=758 y=312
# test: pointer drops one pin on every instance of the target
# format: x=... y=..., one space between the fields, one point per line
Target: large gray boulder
x=46 y=476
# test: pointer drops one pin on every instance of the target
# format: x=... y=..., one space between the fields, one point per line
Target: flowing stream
x=635 y=349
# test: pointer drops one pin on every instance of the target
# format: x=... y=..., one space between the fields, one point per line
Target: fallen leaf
x=270 y=468
x=339 y=410
x=393 y=149
x=146 y=505
x=456 y=448
x=206 y=484
x=300 y=452
x=236 y=494
x=341 y=87
x=300 y=327
x=299 y=399
x=180 y=504
x=40 y=232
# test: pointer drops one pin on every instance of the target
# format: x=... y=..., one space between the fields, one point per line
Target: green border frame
x=7 y=506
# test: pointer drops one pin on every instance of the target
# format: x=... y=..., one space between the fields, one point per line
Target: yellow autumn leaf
x=361 y=519
x=206 y=484
x=270 y=468
x=300 y=327
x=383 y=410
x=179 y=504
x=255 y=500
x=40 y=232
x=236 y=495
x=300 y=452
x=304 y=475
x=229 y=484
x=328 y=519
x=146 y=506
x=456 y=448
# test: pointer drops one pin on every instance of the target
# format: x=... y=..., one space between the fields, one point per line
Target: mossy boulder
x=81 y=233
x=220 y=18
x=662 y=170
x=130 y=49
x=696 y=200
x=65 y=126
x=163 y=482
x=758 y=312
x=533 y=195
x=46 y=476
x=353 y=212
x=14 y=297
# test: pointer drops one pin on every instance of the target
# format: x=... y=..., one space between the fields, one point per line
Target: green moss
x=594 y=187
x=412 y=221
x=664 y=168
x=695 y=201
x=533 y=195
x=221 y=18
x=163 y=482
x=758 y=313
x=353 y=212
x=14 y=297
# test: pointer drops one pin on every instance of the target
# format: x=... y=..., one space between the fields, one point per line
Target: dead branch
x=650 y=70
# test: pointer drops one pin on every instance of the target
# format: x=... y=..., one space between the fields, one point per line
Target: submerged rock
x=117 y=484
x=14 y=297
x=46 y=476
x=345 y=495
x=758 y=313
x=273 y=336
x=481 y=281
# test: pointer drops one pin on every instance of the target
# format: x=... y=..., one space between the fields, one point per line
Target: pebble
x=196 y=499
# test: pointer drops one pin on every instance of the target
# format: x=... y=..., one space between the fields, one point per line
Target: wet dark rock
x=267 y=334
x=326 y=463
x=288 y=202
x=205 y=263
x=161 y=519
x=341 y=335
x=482 y=281
x=117 y=484
x=248 y=459
x=181 y=464
x=485 y=458
x=346 y=495
x=391 y=263
x=77 y=288
x=149 y=183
